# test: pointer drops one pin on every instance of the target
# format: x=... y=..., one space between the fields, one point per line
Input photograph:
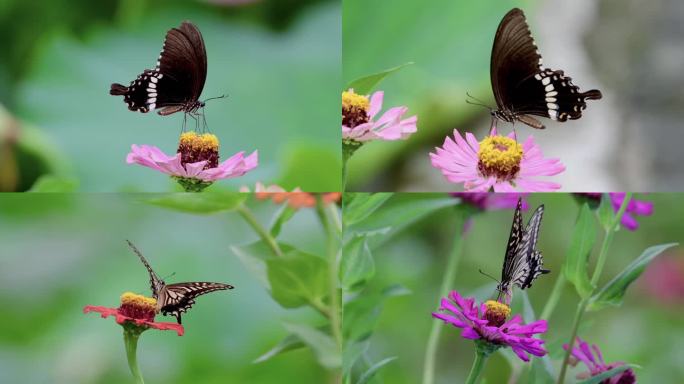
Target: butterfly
x=177 y=298
x=523 y=262
x=522 y=86
x=176 y=83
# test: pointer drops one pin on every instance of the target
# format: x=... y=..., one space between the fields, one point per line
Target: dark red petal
x=167 y=327
x=104 y=311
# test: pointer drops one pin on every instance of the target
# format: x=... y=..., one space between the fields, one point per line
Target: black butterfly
x=522 y=86
x=176 y=83
x=176 y=298
x=523 y=263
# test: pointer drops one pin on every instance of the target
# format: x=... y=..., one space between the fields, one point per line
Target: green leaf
x=357 y=265
x=368 y=375
x=397 y=213
x=605 y=375
x=297 y=279
x=55 y=184
x=253 y=256
x=352 y=353
x=289 y=343
x=281 y=217
x=361 y=313
x=539 y=374
x=577 y=259
x=323 y=346
x=358 y=206
x=364 y=85
x=614 y=292
x=605 y=212
x=202 y=203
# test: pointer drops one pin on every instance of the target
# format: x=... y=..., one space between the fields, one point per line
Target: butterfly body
x=523 y=88
x=176 y=83
x=175 y=299
x=523 y=263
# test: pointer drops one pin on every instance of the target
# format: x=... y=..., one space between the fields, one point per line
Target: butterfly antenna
x=490 y=276
x=478 y=102
x=217 y=97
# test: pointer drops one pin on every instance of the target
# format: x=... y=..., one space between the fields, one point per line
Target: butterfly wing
x=178 y=298
x=156 y=284
x=510 y=262
x=522 y=86
x=528 y=257
x=178 y=78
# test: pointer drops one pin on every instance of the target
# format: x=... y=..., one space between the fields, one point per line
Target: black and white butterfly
x=177 y=298
x=522 y=86
x=176 y=83
x=523 y=262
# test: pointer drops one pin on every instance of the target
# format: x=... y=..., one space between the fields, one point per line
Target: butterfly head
x=503 y=115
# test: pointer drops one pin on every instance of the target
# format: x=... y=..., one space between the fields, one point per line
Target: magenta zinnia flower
x=497 y=162
x=135 y=311
x=487 y=201
x=196 y=163
x=592 y=358
x=359 y=123
x=634 y=208
x=487 y=322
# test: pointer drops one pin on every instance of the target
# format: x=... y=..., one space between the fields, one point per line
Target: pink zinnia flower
x=135 y=311
x=497 y=162
x=592 y=358
x=359 y=123
x=196 y=164
x=634 y=208
x=487 y=322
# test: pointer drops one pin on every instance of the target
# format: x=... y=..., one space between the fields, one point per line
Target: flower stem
x=476 y=369
x=261 y=231
x=327 y=217
x=554 y=297
x=582 y=306
x=447 y=283
x=131 y=341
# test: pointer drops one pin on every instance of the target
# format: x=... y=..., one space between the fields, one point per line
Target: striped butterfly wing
x=175 y=299
x=156 y=284
x=510 y=261
x=528 y=259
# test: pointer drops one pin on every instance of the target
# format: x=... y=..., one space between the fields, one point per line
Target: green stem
x=131 y=342
x=554 y=297
x=610 y=232
x=327 y=217
x=582 y=306
x=447 y=283
x=476 y=369
x=261 y=231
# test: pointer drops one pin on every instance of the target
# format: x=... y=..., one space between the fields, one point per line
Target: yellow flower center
x=195 y=147
x=496 y=312
x=354 y=109
x=499 y=156
x=138 y=306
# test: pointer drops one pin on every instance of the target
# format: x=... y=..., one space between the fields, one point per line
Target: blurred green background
x=62 y=252
x=450 y=42
x=646 y=330
x=279 y=62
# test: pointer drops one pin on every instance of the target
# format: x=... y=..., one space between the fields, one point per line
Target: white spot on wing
x=549 y=88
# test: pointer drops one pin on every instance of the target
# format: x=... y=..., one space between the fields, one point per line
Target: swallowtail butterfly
x=176 y=83
x=177 y=298
x=523 y=262
x=522 y=86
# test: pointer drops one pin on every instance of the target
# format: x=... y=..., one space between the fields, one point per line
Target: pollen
x=195 y=147
x=354 y=109
x=499 y=156
x=138 y=306
x=496 y=313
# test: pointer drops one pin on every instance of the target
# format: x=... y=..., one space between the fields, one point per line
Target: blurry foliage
x=415 y=256
x=63 y=251
x=56 y=75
